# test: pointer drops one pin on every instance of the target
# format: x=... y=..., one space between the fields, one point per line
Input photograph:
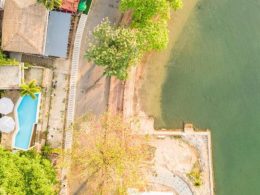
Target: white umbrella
x=6 y=105
x=7 y=124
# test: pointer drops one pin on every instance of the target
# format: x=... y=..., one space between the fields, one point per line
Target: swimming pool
x=26 y=113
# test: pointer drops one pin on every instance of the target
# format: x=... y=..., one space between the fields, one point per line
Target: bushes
x=195 y=175
x=4 y=61
x=26 y=173
x=152 y=36
x=51 y=4
x=145 y=10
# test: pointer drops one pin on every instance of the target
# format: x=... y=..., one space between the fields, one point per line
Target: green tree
x=108 y=155
x=26 y=173
x=30 y=89
x=150 y=21
x=152 y=35
x=114 y=48
x=175 y=4
x=51 y=4
x=145 y=10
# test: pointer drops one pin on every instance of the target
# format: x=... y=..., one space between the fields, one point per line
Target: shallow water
x=212 y=80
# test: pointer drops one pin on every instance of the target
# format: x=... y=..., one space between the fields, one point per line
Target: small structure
x=24 y=27
x=11 y=76
x=70 y=5
x=6 y=105
x=28 y=27
x=2 y=3
x=7 y=124
x=58 y=34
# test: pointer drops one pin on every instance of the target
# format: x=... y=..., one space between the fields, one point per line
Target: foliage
x=152 y=35
x=26 y=173
x=176 y=4
x=114 y=48
x=145 y=10
x=150 y=20
x=47 y=151
x=109 y=157
x=4 y=61
x=30 y=89
x=195 y=175
x=51 y=4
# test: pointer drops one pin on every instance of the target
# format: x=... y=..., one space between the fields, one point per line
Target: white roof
x=6 y=105
x=7 y=124
x=2 y=3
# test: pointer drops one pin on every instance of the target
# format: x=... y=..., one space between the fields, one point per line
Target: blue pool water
x=27 y=112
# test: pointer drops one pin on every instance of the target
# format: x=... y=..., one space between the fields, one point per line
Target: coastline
x=151 y=78
x=146 y=81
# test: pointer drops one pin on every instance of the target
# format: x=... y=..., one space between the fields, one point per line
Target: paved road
x=92 y=87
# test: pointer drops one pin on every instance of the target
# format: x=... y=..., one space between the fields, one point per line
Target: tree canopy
x=114 y=48
x=51 y=4
x=150 y=20
x=24 y=173
x=117 y=48
x=110 y=157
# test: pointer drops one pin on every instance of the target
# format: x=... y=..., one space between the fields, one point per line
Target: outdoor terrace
x=11 y=76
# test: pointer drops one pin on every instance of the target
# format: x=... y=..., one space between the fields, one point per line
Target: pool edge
x=17 y=122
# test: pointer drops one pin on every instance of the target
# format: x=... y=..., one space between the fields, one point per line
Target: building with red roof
x=70 y=5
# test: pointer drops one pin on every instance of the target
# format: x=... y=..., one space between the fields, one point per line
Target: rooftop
x=24 y=26
x=10 y=77
x=58 y=34
x=70 y=5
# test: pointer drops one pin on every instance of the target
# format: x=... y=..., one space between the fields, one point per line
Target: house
x=28 y=27
x=11 y=76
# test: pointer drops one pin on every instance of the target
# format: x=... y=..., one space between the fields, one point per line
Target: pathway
x=92 y=87
x=59 y=94
x=167 y=178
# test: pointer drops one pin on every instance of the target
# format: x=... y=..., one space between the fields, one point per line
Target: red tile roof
x=70 y=5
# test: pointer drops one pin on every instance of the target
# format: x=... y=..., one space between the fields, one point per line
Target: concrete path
x=166 y=178
x=92 y=86
x=57 y=111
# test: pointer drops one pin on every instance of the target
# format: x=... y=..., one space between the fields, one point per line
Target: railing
x=71 y=103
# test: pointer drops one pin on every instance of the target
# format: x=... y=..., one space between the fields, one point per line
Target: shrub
x=26 y=173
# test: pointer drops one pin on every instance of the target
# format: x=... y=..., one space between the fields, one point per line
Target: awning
x=7 y=124
x=6 y=105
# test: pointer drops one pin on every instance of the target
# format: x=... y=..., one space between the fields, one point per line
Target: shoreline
x=136 y=107
x=152 y=77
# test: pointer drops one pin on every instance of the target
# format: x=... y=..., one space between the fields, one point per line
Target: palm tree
x=30 y=89
x=51 y=4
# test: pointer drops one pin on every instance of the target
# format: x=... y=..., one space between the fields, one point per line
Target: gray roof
x=58 y=34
